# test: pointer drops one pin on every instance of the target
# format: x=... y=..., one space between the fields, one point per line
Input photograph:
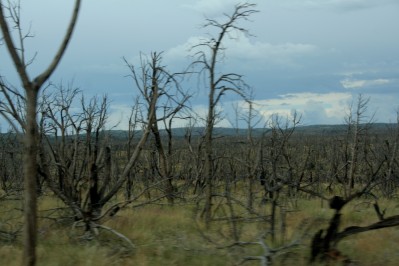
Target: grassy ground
x=172 y=235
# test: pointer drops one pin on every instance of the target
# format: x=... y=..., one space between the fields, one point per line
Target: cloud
x=212 y=7
x=325 y=108
x=118 y=117
x=103 y=68
x=240 y=48
x=282 y=54
x=358 y=84
x=340 y=5
x=315 y=108
x=182 y=51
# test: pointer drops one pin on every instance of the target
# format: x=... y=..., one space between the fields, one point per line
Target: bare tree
x=31 y=88
x=325 y=241
x=357 y=129
x=277 y=169
x=390 y=183
x=154 y=81
x=218 y=84
x=132 y=126
x=254 y=150
x=76 y=159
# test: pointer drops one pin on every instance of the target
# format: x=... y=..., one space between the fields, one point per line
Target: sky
x=310 y=56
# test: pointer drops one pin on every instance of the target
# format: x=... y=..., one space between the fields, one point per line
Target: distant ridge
x=315 y=130
x=342 y=128
x=256 y=132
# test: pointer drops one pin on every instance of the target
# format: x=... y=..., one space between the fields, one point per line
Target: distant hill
x=339 y=129
x=224 y=131
x=315 y=130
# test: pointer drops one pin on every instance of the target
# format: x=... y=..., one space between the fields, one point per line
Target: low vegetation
x=165 y=234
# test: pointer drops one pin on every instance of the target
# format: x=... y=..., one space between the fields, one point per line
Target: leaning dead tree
x=208 y=57
x=10 y=13
x=325 y=241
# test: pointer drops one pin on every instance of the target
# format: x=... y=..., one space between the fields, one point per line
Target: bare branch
x=18 y=62
x=39 y=80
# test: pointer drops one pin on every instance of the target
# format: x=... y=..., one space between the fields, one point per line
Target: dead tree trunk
x=324 y=242
x=218 y=85
x=157 y=84
x=30 y=177
x=32 y=88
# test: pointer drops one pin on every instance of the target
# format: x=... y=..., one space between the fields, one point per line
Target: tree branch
x=39 y=80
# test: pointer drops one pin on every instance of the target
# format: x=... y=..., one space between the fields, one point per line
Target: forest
x=75 y=192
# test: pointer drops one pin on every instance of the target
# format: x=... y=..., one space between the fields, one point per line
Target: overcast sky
x=312 y=56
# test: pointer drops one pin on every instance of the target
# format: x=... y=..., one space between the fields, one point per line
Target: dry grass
x=171 y=235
